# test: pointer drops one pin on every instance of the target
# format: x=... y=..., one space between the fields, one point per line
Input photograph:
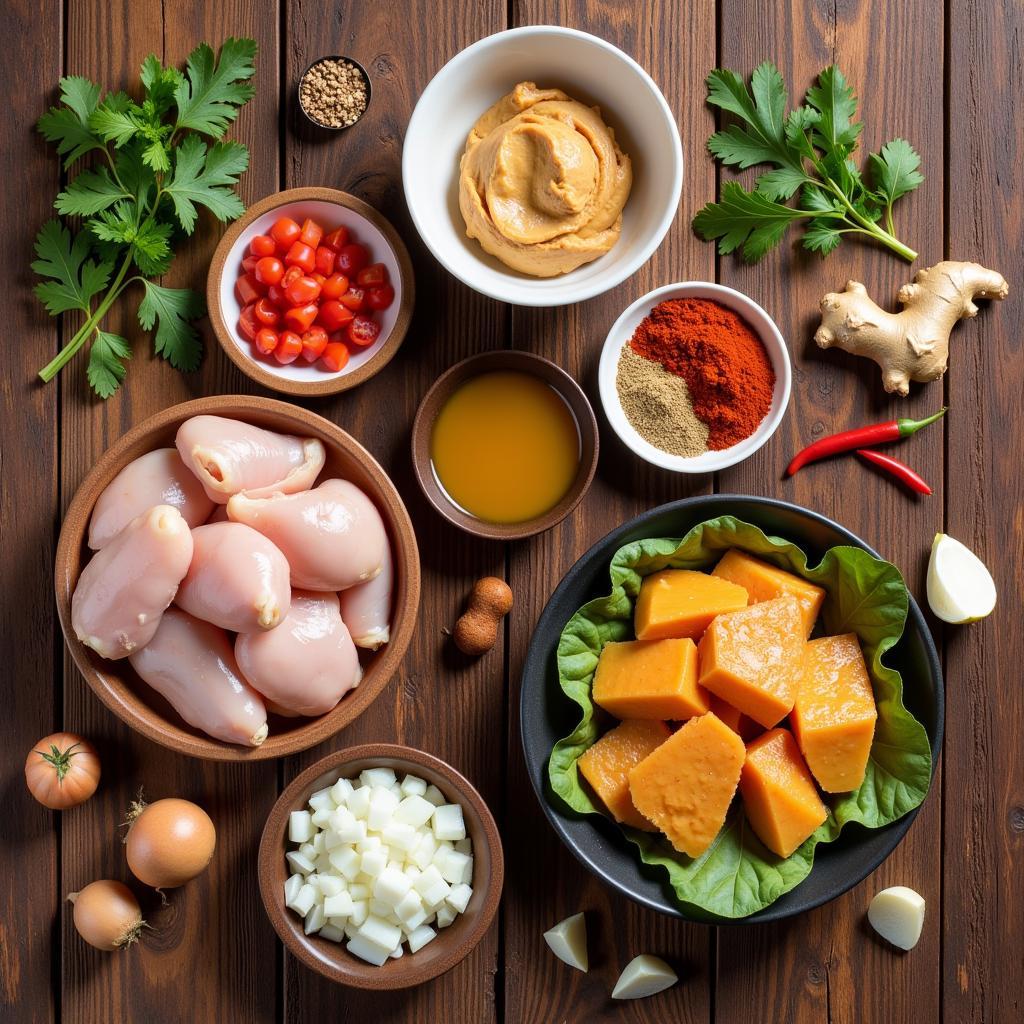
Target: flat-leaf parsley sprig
x=810 y=151
x=151 y=171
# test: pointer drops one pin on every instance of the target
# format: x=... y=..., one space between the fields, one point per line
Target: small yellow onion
x=169 y=842
x=107 y=914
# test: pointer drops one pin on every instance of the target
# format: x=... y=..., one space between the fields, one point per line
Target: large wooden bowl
x=453 y=943
x=116 y=683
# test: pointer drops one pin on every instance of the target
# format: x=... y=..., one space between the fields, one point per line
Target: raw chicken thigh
x=191 y=664
x=308 y=663
x=332 y=536
x=229 y=456
x=156 y=478
x=124 y=589
x=366 y=608
x=238 y=579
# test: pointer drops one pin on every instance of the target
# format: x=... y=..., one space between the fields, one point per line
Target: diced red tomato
x=266 y=313
x=300 y=318
x=290 y=275
x=325 y=258
x=247 y=323
x=285 y=232
x=249 y=264
x=266 y=341
x=314 y=341
x=248 y=289
x=289 y=345
x=354 y=299
x=363 y=331
x=311 y=233
x=352 y=258
x=302 y=290
x=269 y=270
x=318 y=277
x=301 y=255
x=375 y=273
x=380 y=296
x=337 y=239
x=262 y=245
x=333 y=315
x=335 y=356
x=277 y=296
x=335 y=286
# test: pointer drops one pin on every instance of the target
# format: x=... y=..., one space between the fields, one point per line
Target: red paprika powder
x=724 y=364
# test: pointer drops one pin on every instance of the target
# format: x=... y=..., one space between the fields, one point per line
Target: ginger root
x=914 y=343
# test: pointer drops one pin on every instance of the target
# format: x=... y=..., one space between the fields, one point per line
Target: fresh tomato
x=380 y=296
x=277 y=296
x=375 y=273
x=337 y=239
x=325 y=258
x=335 y=356
x=363 y=331
x=248 y=289
x=291 y=274
x=311 y=233
x=262 y=245
x=318 y=277
x=302 y=290
x=352 y=258
x=333 y=315
x=285 y=232
x=301 y=255
x=266 y=313
x=249 y=264
x=354 y=299
x=266 y=341
x=247 y=323
x=269 y=270
x=289 y=345
x=314 y=341
x=335 y=286
x=300 y=318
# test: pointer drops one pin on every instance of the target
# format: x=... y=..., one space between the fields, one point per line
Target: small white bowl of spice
x=694 y=377
x=334 y=92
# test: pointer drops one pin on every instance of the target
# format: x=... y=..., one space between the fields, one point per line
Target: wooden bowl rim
x=404 y=972
x=330 y=385
x=131 y=708
x=551 y=373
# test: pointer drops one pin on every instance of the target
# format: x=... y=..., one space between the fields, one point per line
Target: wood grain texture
x=983 y=848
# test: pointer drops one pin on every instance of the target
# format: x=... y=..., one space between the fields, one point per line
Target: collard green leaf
x=74 y=279
x=209 y=98
x=106 y=368
x=737 y=876
x=171 y=310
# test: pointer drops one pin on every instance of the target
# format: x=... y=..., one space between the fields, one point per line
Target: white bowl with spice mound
x=694 y=377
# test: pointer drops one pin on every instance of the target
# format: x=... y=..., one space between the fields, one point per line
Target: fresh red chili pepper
x=875 y=433
x=898 y=469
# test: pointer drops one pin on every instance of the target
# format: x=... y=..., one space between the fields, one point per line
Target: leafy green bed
x=737 y=876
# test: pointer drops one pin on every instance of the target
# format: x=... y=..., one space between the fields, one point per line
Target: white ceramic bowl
x=588 y=69
x=624 y=328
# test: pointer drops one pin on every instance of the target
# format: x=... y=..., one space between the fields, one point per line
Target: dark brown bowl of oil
x=505 y=444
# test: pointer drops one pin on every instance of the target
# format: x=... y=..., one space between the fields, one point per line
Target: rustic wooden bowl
x=116 y=683
x=366 y=225
x=453 y=943
x=439 y=393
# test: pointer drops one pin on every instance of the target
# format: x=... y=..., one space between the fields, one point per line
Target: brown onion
x=107 y=914
x=169 y=842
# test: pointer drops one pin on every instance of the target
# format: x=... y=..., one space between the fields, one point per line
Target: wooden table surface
x=946 y=76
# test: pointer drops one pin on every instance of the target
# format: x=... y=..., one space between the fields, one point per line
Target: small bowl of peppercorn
x=334 y=92
x=694 y=377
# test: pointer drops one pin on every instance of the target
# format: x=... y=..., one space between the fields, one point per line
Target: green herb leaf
x=106 y=367
x=209 y=100
x=895 y=170
x=171 y=309
x=780 y=182
x=90 y=192
x=116 y=119
x=205 y=177
x=68 y=126
x=821 y=236
x=75 y=278
x=149 y=241
x=834 y=101
x=160 y=84
x=745 y=220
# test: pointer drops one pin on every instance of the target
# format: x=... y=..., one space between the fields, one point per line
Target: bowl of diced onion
x=380 y=867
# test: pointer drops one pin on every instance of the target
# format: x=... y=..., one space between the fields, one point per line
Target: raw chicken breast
x=156 y=478
x=238 y=579
x=191 y=664
x=366 y=608
x=126 y=586
x=229 y=456
x=332 y=536
x=308 y=663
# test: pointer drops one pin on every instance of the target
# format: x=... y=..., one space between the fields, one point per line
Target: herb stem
x=870 y=227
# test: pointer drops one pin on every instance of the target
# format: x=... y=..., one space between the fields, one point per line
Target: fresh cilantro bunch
x=809 y=150
x=139 y=197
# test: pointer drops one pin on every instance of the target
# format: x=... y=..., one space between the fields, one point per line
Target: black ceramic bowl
x=546 y=714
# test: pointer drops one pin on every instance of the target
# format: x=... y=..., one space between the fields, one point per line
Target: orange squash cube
x=763 y=582
x=686 y=785
x=782 y=805
x=743 y=725
x=678 y=602
x=834 y=715
x=607 y=763
x=753 y=658
x=650 y=679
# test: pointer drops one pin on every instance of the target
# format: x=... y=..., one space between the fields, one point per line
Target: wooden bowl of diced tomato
x=310 y=292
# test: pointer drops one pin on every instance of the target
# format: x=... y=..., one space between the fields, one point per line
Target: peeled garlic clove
x=568 y=941
x=960 y=587
x=644 y=976
x=229 y=456
x=238 y=579
x=125 y=587
x=156 y=478
x=308 y=663
x=191 y=664
x=333 y=536
x=897 y=914
x=366 y=607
